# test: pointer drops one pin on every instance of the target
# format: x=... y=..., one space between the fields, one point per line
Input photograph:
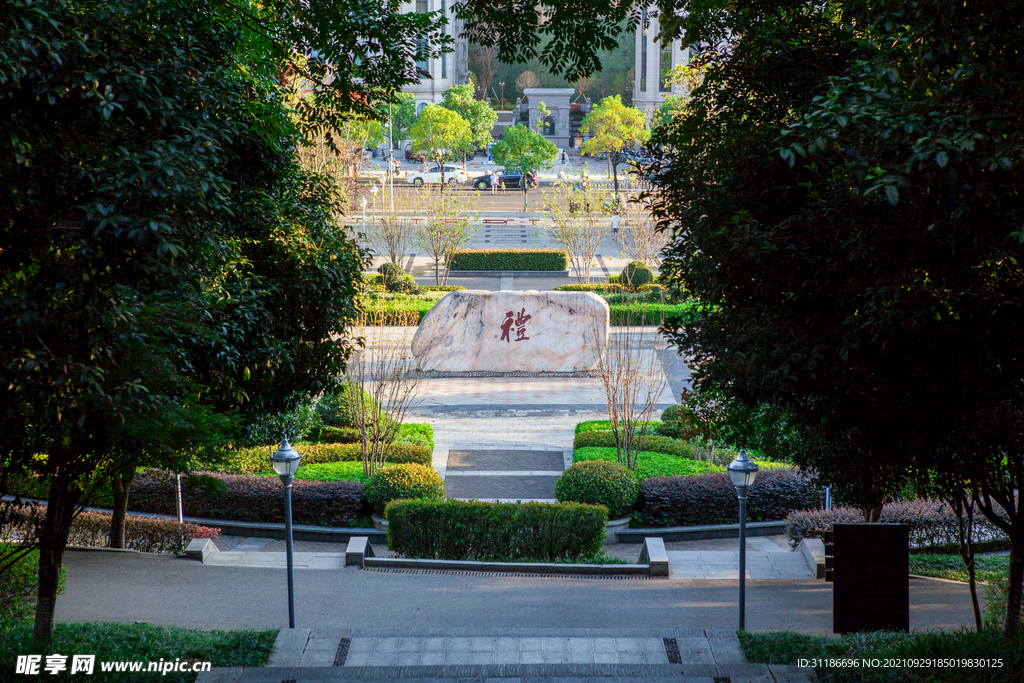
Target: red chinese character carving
x=521 y=325
x=506 y=326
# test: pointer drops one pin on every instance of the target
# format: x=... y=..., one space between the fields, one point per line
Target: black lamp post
x=286 y=464
x=743 y=472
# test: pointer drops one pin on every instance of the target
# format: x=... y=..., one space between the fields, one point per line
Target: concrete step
x=509 y=654
x=520 y=673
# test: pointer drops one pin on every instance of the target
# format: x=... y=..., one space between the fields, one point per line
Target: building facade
x=654 y=64
x=446 y=70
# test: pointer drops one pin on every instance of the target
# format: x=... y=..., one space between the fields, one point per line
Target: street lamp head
x=743 y=472
x=285 y=460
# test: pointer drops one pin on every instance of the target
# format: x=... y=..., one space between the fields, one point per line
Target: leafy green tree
x=613 y=127
x=477 y=113
x=850 y=212
x=164 y=259
x=439 y=133
x=524 y=150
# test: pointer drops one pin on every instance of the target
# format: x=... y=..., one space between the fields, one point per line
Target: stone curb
x=703 y=532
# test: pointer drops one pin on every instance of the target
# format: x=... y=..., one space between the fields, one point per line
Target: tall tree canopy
x=162 y=255
x=477 y=113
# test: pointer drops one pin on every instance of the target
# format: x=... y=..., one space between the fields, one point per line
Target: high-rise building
x=446 y=70
x=654 y=64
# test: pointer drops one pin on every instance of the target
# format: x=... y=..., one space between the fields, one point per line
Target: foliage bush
x=402 y=482
x=635 y=274
x=933 y=524
x=441 y=288
x=644 y=313
x=650 y=464
x=473 y=530
x=603 y=425
x=390 y=269
x=257 y=460
x=339 y=435
x=247 y=498
x=711 y=498
x=145 y=534
x=510 y=259
x=296 y=425
x=341 y=409
x=19 y=587
x=677 y=423
x=592 y=287
x=599 y=482
x=416 y=434
x=331 y=471
x=647 y=442
x=651 y=289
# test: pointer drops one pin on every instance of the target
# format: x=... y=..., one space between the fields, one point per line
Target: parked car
x=512 y=180
x=453 y=175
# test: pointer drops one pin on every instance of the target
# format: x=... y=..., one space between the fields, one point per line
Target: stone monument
x=507 y=331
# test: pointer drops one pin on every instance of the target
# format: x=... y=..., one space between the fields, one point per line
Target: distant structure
x=654 y=64
x=446 y=70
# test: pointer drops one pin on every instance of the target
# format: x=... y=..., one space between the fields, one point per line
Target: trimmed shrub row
x=933 y=524
x=650 y=464
x=711 y=498
x=510 y=259
x=648 y=442
x=256 y=460
x=145 y=534
x=248 y=498
x=495 y=532
x=595 y=287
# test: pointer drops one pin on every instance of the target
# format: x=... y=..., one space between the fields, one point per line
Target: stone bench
x=358 y=549
x=654 y=554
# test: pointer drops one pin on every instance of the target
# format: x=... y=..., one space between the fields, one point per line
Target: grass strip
x=952 y=567
x=137 y=643
x=967 y=656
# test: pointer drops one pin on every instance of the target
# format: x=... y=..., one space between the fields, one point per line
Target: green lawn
x=138 y=643
x=953 y=567
x=651 y=464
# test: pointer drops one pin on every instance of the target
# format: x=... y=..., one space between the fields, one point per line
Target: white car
x=453 y=175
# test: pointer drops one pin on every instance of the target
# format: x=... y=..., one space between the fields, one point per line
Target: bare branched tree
x=392 y=232
x=574 y=217
x=446 y=228
x=527 y=79
x=630 y=372
x=386 y=385
x=638 y=236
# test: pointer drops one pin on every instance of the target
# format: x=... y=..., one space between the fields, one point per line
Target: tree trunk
x=615 y=176
x=60 y=511
x=524 y=193
x=121 y=485
x=1015 y=580
x=872 y=514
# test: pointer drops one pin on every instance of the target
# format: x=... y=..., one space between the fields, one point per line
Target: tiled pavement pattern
x=520 y=655
x=503 y=474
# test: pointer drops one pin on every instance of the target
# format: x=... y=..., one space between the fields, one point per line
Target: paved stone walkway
x=576 y=655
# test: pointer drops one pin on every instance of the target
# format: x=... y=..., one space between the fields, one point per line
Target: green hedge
x=593 y=287
x=510 y=259
x=650 y=464
x=604 y=425
x=647 y=442
x=497 y=532
x=257 y=460
x=653 y=313
x=403 y=482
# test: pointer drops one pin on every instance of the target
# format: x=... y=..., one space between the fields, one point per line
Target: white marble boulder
x=507 y=331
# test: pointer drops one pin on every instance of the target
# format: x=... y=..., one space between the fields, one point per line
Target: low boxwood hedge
x=650 y=464
x=257 y=460
x=603 y=425
x=651 y=313
x=248 y=498
x=592 y=287
x=510 y=259
x=145 y=534
x=495 y=532
x=711 y=498
x=647 y=442
x=933 y=523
